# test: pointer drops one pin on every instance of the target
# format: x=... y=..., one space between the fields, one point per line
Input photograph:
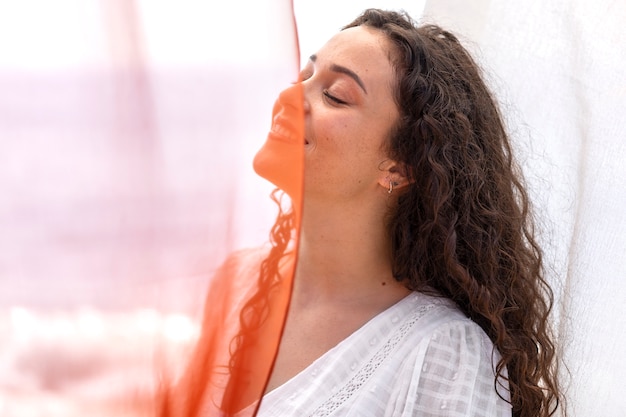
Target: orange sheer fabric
x=249 y=297
x=128 y=132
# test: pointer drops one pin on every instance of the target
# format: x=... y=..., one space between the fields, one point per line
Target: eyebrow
x=344 y=70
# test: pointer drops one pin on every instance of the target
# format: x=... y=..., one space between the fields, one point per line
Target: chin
x=282 y=164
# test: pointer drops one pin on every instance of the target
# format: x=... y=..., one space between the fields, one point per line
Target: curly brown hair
x=463 y=226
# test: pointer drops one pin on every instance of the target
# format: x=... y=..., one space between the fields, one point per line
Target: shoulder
x=444 y=322
x=455 y=331
x=446 y=332
x=235 y=277
x=246 y=257
x=452 y=364
x=444 y=339
x=240 y=265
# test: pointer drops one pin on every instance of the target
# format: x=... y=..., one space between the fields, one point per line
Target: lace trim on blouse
x=365 y=373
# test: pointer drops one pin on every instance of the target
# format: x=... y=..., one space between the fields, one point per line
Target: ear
x=394 y=172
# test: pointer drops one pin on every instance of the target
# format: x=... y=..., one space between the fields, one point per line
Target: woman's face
x=349 y=112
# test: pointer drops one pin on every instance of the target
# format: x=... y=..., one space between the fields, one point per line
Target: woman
x=418 y=285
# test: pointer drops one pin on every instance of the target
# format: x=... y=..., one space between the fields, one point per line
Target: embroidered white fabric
x=420 y=357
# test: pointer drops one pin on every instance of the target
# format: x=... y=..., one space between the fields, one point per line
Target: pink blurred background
x=127 y=132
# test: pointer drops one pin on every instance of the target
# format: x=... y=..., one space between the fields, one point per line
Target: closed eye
x=333 y=98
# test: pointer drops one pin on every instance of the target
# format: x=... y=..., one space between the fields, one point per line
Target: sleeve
x=453 y=375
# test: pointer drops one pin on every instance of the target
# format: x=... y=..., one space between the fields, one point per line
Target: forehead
x=364 y=50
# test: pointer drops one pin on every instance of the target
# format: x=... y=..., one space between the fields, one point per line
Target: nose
x=305 y=102
x=292 y=95
x=292 y=99
x=305 y=105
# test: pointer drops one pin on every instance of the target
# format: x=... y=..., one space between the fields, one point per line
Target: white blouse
x=421 y=357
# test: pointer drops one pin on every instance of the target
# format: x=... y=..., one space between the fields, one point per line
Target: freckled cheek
x=339 y=134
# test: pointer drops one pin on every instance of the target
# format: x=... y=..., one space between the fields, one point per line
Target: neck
x=344 y=254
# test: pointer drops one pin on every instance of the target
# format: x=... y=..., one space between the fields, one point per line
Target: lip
x=287 y=117
x=284 y=130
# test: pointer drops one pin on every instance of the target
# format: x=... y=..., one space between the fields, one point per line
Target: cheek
x=334 y=133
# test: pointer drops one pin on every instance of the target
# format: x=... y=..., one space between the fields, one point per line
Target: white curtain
x=560 y=68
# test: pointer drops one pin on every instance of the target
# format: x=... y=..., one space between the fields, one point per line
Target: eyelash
x=333 y=98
